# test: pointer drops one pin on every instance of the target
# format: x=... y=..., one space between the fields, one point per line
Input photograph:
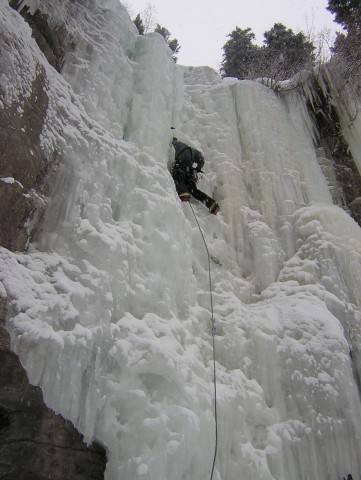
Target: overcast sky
x=202 y=26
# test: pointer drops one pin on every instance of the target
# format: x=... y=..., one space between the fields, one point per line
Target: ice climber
x=187 y=164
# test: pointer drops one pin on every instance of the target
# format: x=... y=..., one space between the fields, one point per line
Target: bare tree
x=149 y=18
x=323 y=41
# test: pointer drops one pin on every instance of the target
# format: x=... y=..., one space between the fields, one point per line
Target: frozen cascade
x=110 y=307
x=345 y=97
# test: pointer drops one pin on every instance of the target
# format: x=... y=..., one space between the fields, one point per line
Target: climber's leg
x=208 y=201
x=181 y=185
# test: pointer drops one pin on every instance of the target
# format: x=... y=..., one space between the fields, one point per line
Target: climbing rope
x=213 y=342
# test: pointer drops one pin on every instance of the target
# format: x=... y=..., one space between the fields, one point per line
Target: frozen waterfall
x=110 y=310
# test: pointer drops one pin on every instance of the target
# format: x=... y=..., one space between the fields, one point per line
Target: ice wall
x=344 y=92
x=110 y=309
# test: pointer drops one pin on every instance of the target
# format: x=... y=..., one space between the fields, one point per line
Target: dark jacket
x=188 y=162
x=187 y=159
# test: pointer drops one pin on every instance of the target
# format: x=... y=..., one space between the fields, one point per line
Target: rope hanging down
x=213 y=343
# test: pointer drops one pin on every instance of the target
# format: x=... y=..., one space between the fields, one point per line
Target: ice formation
x=110 y=309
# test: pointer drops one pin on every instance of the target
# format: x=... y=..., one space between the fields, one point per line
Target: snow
x=17 y=67
x=110 y=308
x=11 y=181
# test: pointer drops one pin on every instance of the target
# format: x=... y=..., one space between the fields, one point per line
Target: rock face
x=35 y=443
x=22 y=165
x=50 y=39
x=345 y=186
x=22 y=160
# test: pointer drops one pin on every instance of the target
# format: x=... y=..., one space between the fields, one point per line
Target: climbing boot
x=214 y=208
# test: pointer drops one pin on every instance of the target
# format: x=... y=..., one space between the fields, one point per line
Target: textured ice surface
x=110 y=307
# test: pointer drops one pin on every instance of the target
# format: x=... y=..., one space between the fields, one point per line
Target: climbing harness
x=213 y=343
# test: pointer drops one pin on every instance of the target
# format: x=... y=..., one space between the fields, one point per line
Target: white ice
x=110 y=307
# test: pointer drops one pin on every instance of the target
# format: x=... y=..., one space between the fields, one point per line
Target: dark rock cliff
x=52 y=40
x=345 y=186
x=35 y=443
x=22 y=159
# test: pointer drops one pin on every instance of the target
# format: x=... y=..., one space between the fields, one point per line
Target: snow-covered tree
x=347 y=46
x=240 y=54
x=347 y=12
x=283 y=54
x=145 y=21
x=286 y=52
x=173 y=44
